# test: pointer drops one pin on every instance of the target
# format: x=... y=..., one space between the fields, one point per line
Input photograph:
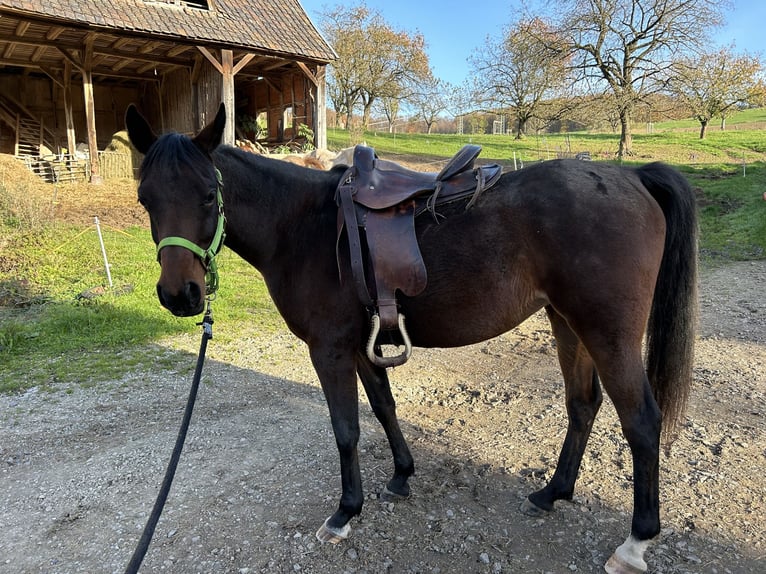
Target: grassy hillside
x=676 y=146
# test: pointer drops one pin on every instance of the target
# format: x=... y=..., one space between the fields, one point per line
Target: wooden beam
x=309 y=74
x=278 y=64
x=8 y=118
x=320 y=105
x=126 y=76
x=71 y=139
x=74 y=57
x=54 y=74
x=227 y=94
x=18 y=131
x=177 y=50
x=149 y=46
x=8 y=53
x=22 y=28
x=211 y=58
x=66 y=47
x=146 y=67
x=119 y=43
x=272 y=85
x=38 y=53
x=244 y=61
x=120 y=65
x=197 y=69
x=54 y=33
x=90 y=110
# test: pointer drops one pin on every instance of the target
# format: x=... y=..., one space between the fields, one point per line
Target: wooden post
x=71 y=140
x=18 y=134
x=90 y=111
x=321 y=109
x=320 y=105
x=227 y=93
x=228 y=70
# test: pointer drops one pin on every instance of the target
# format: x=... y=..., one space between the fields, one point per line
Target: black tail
x=671 y=330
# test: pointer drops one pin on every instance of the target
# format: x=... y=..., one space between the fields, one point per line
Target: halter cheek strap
x=206 y=256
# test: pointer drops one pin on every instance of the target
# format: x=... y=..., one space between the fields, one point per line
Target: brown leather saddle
x=382 y=199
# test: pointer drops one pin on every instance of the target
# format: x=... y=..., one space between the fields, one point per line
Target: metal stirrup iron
x=380 y=360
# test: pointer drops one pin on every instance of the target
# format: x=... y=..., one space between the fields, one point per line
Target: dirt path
x=80 y=468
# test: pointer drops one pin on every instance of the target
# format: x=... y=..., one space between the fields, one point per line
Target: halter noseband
x=206 y=256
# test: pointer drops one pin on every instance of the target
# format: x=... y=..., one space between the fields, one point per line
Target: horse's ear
x=140 y=133
x=210 y=136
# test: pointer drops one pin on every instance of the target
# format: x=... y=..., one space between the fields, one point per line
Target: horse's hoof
x=628 y=558
x=531 y=509
x=616 y=565
x=327 y=533
x=390 y=496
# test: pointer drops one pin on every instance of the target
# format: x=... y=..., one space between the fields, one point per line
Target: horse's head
x=181 y=190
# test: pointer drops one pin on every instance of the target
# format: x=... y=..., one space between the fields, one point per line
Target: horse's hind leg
x=378 y=389
x=640 y=419
x=618 y=357
x=583 y=399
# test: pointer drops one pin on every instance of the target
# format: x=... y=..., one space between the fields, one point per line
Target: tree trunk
x=366 y=113
x=723 y=124
x=521 y=128
x=626 y=136
x=703 y=125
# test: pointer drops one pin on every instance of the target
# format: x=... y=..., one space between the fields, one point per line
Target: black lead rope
x=162 y=496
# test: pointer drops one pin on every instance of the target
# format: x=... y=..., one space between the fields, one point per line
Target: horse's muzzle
x=186 y=303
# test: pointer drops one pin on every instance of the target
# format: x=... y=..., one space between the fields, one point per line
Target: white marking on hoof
x=628 y=558
x=331 y=534
x=531 y=509
x=389 y=496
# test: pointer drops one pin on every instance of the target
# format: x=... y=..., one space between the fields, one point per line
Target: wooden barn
x=70 y=68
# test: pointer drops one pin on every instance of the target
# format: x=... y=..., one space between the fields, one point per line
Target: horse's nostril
x=193 y=294
x=160 y=296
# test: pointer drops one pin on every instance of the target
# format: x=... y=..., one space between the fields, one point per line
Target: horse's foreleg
x=583 y=399
x=378 y=389
x=338 y=378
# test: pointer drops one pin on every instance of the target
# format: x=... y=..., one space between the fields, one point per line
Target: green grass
x=680 y=147
x=50 y=333
x=732 y=210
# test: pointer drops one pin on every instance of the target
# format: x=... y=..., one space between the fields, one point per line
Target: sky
x=453 y=31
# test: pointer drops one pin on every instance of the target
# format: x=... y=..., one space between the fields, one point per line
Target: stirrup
x=380 y=360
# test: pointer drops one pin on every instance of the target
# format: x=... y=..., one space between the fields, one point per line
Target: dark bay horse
x=609 y=252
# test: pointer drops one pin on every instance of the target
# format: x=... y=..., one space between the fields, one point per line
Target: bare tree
x=713 y=84
x=519 y=71
x=628 y=46
x=374 y=61
x=433 y=98
x=391 y=108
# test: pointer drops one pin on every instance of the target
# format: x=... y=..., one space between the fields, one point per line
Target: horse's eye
x=210 y=198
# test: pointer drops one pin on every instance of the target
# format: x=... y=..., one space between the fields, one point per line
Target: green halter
x=206 y=256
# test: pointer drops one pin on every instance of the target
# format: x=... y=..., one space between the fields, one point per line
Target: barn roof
x=273 y=26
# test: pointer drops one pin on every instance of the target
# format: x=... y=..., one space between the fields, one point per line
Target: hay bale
x=120 y=160
x=25 y=199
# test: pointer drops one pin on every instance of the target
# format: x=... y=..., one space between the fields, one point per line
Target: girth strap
x=345 y=192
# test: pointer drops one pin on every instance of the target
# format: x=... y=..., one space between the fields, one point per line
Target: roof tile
x=280 y=26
